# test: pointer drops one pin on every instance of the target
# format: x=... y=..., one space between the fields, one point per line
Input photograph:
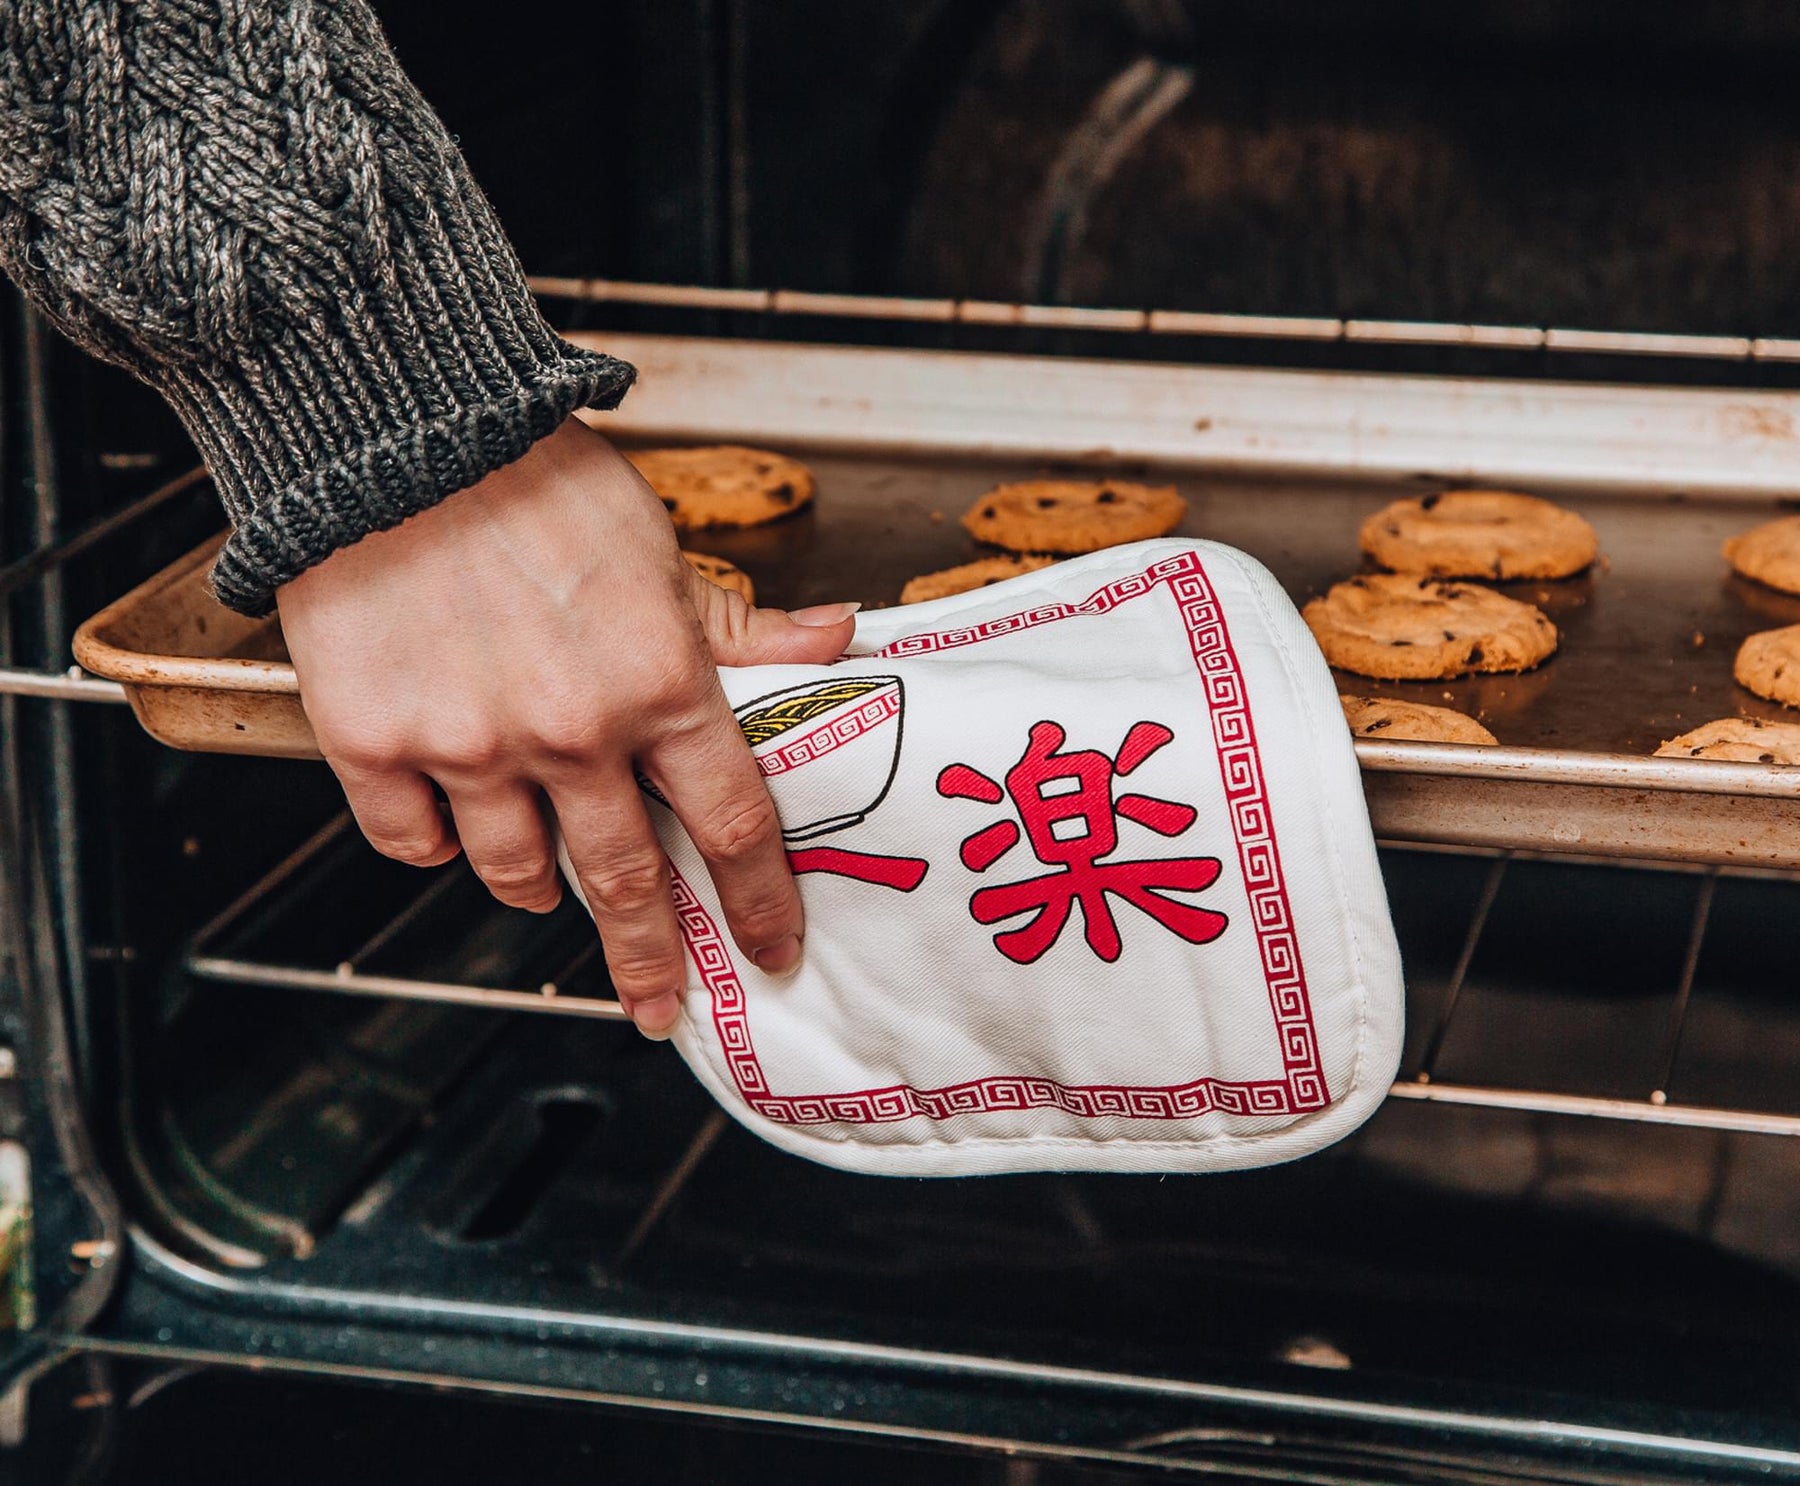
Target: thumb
x=740 y=634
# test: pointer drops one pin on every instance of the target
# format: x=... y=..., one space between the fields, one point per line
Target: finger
x=399 y=813
x=740 y=634
x=713 y=784
x=503 y=831
x=624 y=877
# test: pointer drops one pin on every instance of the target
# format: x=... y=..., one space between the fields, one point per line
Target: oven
x=272 y=1103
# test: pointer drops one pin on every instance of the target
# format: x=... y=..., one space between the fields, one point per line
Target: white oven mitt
x=1088 y=878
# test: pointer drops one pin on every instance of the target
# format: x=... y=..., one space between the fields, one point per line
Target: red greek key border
x=1240 y=767
x=831 y=733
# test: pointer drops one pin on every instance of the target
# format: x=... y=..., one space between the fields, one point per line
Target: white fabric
x=917 y=1041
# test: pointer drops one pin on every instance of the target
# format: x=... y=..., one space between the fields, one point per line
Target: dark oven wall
x=1614 y=165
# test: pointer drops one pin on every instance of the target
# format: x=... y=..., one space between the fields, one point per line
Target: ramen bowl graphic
x=828 y=749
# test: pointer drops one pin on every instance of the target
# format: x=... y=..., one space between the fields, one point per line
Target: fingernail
x=823 y=616
x=778 y=958
x=656 y=1016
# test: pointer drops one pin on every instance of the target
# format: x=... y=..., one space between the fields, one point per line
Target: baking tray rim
x=98 y=653
x=1547 y=766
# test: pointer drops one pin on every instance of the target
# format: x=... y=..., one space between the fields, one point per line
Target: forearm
x=260 y=217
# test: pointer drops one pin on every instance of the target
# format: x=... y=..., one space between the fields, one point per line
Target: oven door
x=60 y=1229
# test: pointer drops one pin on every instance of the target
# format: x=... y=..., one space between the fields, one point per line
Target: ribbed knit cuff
x=397 y=474
x=253 y=209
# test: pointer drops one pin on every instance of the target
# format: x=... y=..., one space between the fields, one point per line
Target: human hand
x=531 y=641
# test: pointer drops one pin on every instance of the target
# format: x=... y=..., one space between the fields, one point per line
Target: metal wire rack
x=996 y=313
x=235 y=948
x=226 y=948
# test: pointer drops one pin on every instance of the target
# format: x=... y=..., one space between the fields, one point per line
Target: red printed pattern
x=979 y=1096
x=1241 y=770
x=832 y=734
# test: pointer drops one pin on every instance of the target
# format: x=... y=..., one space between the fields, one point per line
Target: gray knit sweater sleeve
x=247 y=204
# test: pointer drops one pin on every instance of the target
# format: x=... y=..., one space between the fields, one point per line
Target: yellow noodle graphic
x=778 y=717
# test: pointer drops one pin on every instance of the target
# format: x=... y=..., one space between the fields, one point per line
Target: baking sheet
x=1647 y=637
x=903 y=442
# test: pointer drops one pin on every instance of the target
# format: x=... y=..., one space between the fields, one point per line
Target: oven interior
x=534 y=1197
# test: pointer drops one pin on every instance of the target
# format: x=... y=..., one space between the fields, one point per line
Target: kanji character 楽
x=1071 y=821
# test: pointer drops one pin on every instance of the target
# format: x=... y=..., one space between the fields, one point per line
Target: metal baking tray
x=199 y=675
x=1281 y=464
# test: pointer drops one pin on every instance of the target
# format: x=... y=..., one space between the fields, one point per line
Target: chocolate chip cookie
x=970 y=575
x=724 y=484
x=724 y=574
x=1769 y=665
x=1746 y=740
x=1479 y=534
x=1769 y=554
x=1073 y=515
x=1395 y=627
x=1383 y=717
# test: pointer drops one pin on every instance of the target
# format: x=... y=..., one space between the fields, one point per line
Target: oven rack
x=1003 y=315
x=74 y=684
x=224 y=949
x=552 y=966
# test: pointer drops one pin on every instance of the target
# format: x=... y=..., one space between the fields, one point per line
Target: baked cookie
x=1399 y=628
x=1746 y=740
x=971 y=575
x=726 y=575
x=1073 y=515
x=1769 y=665
x=724 y=484
x=1382 y=717
x=1479 y=534
x=1769 y=553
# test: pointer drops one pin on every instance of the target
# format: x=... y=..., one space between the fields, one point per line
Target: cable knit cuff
x=251 y=208
x=396 y=475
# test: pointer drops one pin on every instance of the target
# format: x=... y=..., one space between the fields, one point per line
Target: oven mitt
x=1088 y=878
